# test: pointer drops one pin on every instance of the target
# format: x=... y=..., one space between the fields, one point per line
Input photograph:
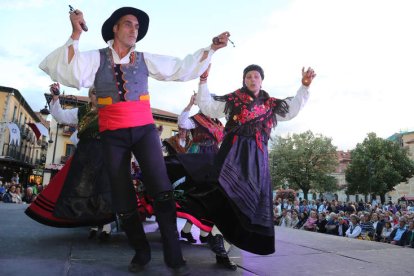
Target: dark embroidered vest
x=121 y=82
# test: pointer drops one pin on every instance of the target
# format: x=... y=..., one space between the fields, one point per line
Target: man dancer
x=120 y=76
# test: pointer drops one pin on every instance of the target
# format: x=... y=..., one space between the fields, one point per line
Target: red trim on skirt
x=42 y=208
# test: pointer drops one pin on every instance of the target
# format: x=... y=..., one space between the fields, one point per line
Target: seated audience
x=399 y=235
x=354 y=230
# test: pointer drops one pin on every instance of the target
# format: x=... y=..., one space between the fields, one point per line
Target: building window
x=20 y=118
x=14 y=113
x=70 y=149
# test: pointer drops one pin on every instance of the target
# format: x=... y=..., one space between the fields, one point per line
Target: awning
x=14 y=162
x=54 y=166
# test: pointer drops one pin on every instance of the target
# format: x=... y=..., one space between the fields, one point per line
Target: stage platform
x=30 y=248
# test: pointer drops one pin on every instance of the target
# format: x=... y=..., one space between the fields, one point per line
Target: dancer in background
x=178 y=143
x=207 y=134
x=80 y=193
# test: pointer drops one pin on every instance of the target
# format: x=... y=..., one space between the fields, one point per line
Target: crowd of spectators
x=371 y=221
x=13 y=192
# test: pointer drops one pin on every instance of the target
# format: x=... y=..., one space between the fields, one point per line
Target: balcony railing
x=20 y=154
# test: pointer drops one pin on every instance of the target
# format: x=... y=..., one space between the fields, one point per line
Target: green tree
x=377 y=166
x=304 y=161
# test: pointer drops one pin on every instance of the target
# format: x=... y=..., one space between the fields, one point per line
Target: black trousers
x=144 y=143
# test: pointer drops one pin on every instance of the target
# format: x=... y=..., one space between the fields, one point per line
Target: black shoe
x=138 y=263
x=203 y=239
x=181 y=270
x=104 y=237
x=216 y=244
x=140 y=260
x=226 y=262
x=137 y=239
x=134 y=268
x=188 y=236
x=92 y=234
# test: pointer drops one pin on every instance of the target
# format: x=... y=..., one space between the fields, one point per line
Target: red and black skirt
x=79 y=194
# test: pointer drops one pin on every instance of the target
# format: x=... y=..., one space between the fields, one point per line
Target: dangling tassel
x=234 y=139
x=259 y=141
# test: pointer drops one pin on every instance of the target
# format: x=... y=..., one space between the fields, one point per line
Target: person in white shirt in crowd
x=322 y=207
x=277 y=210
x=410 y=207
x=399 y=235
x=386 y=231
x=312 y=206
x=374 y=203
x=295 y=219
x=354 y=230
x=285 y=219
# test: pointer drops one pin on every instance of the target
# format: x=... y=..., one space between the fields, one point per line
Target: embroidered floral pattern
x=88 y=122
x=251 y=116
x=210 y=127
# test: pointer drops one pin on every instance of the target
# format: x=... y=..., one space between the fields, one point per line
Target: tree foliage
x=303 y=161
x=377 y=166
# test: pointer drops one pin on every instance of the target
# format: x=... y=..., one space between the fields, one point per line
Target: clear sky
x=361 y=50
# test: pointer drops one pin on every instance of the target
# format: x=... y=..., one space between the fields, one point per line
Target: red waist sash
x=125 y=115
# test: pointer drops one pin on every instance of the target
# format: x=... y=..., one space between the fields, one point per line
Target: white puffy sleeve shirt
x=215 y=109
x=184 y=120
x=81 y=71
x=63 y=116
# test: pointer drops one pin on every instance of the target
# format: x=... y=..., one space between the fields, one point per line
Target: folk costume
x=126 y=125
x=174 y=145
x=79 y=194
x=207 y=133
x=239 y=200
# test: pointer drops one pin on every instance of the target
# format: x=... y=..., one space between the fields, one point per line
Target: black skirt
x=209 y=194
x=86 y=193
x=79 y=194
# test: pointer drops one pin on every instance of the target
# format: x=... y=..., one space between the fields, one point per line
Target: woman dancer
x=79 y=195
x=237 y=192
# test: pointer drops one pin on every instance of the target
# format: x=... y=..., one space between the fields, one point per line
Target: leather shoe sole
x=226 y=262
x=181 y=270
x=133 y=267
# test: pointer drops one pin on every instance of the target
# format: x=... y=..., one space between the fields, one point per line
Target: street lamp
x=54 y=148
x=45 y=111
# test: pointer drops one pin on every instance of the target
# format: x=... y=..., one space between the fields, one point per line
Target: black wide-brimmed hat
x=143 y=20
